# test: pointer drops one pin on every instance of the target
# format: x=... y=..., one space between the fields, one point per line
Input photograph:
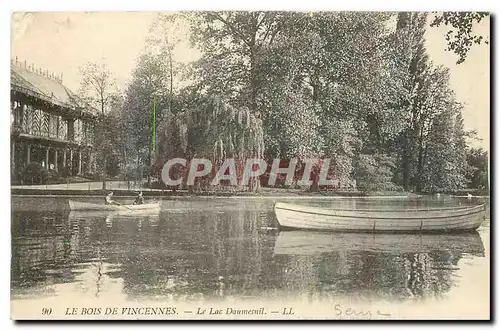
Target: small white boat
x=82 y=206
x=85 y=214
x=415 y=220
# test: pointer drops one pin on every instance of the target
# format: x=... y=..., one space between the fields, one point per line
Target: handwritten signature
x=351 y=312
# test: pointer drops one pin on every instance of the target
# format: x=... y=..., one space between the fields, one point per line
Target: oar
x=124 y=206
x=128 y=207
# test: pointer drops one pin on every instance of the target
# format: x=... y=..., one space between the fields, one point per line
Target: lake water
x=222 y=249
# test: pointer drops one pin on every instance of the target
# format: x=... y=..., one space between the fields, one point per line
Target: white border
x=150 y=5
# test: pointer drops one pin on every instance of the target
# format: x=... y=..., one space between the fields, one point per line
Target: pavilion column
x=79 y=162
x=64 y=158
x=13 y=156
x=89 y=161
x=55 y=159
x=47 y=167
x=71 y=160
x=28 y=154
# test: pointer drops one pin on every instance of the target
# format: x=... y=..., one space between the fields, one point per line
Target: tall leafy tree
x=478 y=175
x=232 y=45
x=460 y=147
x=98 y=89
x=214 y=131
x=443 y=170
x=151 y=91
x=150 y=81
x=346 y=86
x=411 y=31
x=165 y=35
x=97 y=86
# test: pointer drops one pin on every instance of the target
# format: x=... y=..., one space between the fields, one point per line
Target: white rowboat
x=81 y=206
x=429 y=220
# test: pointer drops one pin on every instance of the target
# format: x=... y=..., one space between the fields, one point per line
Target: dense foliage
x=478 y=174
x=355 y=87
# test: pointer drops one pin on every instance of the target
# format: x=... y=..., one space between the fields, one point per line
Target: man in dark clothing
x=139 y=199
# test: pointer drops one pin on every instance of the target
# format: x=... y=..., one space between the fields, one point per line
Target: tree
x=338 y=74
x=351 y=87
x=442 y=172
x=434 y=98
x=118 y=135
x=164 y=36
x=232 y=45
x=460 y=146
x=152 y=86
x=429 y=95
x=410 y=33
x=97 y=88
x=478 y=176
x=461 y=37
x=432 y=146
x=148 y=88
x=374 y=173
x=215 y=130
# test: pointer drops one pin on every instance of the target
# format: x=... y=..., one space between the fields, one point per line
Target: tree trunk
x=254 y=184
x=104 y=143
x=124 y=159
x=150 y=151
x=406 y=162
x=253 y=80
x=420 y=163
x=149 y=167
x=171 y=81
x=104 y=172
x=137 y=174
x=314 y=187
x=315 y=87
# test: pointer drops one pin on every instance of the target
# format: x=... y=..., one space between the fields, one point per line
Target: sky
x=61 y=42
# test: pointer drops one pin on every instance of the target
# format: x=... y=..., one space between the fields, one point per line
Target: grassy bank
x=128 y=189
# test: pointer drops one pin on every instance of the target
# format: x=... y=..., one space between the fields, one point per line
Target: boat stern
x=275 y=211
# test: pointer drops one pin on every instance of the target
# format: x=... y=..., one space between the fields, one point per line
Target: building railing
x=19 y=130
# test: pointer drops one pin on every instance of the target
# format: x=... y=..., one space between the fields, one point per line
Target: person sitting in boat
x=139 y=199
x=108 y=199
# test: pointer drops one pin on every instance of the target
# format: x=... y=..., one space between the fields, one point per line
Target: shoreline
x=228 y=197
x=185 y=195
x=121 y=190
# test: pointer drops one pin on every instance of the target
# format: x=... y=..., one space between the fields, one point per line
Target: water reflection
x=388 y=266
x=192 y=252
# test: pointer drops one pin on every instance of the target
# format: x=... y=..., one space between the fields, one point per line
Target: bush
x=64 y=172
x=34 y=173
x=16 y=176
x=156 y=184
x=91 y=176
x=374 y=173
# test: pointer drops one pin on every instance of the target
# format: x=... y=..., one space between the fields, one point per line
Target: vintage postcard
x=250 y=165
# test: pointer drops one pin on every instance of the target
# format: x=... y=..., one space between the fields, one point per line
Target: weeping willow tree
x=215 y=131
